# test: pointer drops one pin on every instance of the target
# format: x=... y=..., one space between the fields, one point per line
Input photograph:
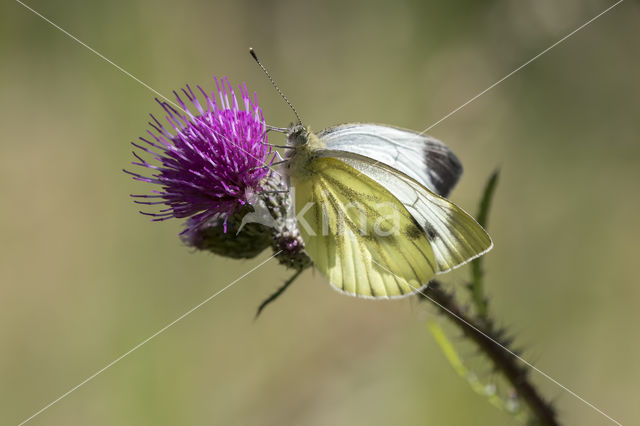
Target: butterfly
x=371 y=209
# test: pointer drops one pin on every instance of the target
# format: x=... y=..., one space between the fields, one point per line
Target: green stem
x=476 y=287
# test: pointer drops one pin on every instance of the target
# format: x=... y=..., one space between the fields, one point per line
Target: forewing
x=422 y=158
x=358 y=235
x=455 y=237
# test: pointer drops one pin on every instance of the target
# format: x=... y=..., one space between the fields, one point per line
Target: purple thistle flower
x=211 y=162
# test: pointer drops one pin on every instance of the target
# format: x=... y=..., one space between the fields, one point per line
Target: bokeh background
x=84 y=277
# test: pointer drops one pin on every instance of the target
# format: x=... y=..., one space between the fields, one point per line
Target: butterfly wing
x=358 y=234
x=455 y=237
x=422 y=158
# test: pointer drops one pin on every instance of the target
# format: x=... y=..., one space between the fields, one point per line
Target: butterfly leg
x=277 y=129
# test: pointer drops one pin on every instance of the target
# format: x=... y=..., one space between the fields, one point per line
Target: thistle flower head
x=209 y=160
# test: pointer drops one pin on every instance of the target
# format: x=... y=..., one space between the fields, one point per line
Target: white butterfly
x=371 y=201
x=370 y=206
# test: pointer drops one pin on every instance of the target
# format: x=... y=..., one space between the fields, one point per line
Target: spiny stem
x=503 y=361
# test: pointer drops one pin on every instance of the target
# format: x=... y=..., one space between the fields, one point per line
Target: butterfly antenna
x=253 y=53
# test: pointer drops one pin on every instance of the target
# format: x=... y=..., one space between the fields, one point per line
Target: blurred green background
x=84 y=277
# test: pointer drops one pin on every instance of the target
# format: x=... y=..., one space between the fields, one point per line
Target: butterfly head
x=297 y=135
x=303 y=145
